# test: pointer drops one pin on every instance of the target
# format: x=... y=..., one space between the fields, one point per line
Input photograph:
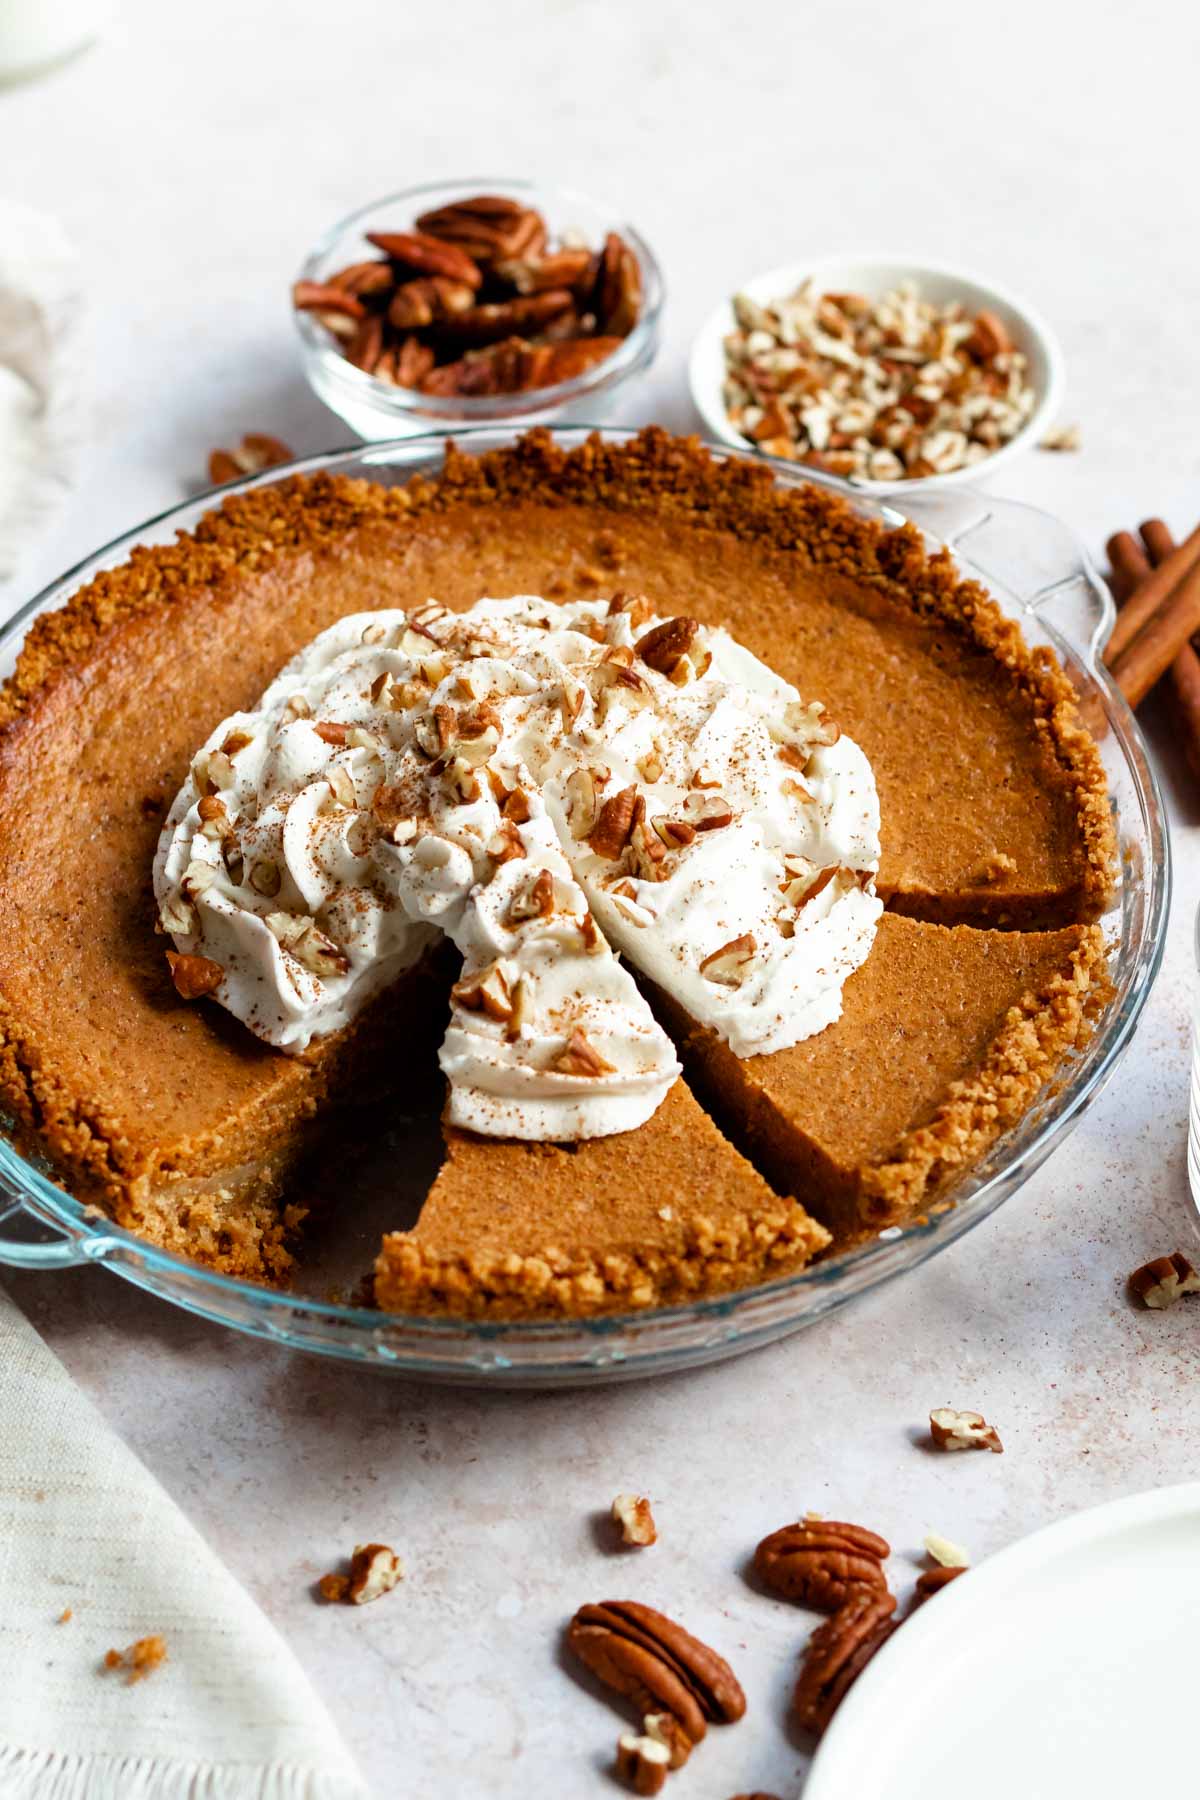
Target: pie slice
x=946 y=1038
x=667 y=1213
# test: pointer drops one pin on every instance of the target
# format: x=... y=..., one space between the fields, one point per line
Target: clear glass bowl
x=377 y=410
x=1041 y=576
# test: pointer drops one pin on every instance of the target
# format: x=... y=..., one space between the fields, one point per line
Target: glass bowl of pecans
x=882 y=373
x=473 y=302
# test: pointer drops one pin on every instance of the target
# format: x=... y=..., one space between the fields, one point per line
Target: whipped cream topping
x=541 y=783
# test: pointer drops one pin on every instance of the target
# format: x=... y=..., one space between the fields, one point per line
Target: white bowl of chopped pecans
x=883 y=373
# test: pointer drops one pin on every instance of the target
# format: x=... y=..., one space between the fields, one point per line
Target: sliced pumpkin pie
x=947 y=1036
x=176 y=1118
x=667 y=1213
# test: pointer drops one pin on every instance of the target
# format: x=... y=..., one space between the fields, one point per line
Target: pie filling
x=307 y=877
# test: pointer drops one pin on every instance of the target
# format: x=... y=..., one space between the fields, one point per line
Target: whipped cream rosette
x=542 y=784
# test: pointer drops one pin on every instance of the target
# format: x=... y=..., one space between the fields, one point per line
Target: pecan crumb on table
x=375 y=1569
x=140 y=1659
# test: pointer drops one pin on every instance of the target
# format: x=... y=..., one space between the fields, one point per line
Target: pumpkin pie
x=191 y=1132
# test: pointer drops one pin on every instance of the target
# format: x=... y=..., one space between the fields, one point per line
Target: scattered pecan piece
x=256 y=452
x=667 y=647
x=642 y=1763
x=140 y=1659
x=1165 y=1280
x=730 y=965
x=932 y=1581
x=632 y=1514
x=822 y=1562
x=580 y=1057
x=945 y=1552
x=951 y=1430
x=194 y=976
x=375 y=1570
x=614 y=827
x=838 y=1652
x=427 y=255
x=656 y=1664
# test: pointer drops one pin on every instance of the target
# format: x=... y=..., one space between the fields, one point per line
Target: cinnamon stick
x=1132 y=563
x=1150 y=597
x=1155 y=647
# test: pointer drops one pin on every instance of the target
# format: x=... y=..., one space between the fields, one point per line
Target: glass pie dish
x=1041 y=576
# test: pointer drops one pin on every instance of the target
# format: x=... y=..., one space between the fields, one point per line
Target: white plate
x=1066 y=1665
x=875 y=276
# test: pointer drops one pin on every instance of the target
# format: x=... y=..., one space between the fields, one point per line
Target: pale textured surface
x=192 y=159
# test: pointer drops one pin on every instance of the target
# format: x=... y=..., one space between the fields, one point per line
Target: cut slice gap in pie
x=667 y=1213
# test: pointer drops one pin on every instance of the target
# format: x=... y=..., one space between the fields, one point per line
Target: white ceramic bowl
x=875 y=276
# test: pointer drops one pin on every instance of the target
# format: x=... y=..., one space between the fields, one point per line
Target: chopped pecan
x=665 y=1729
x=256 y=452
x=579 y=1057
x=427 y=255
x=1165 y=1280
x=951 y=1430
x=707 y=812
x=642 y=1763
x=944 y=1551
x=730 y=965
x=614 y=826
x=820 y=1563
x=989 y=339
x=656 y=1664
x=194 y=976
x=667 y=647
x=838 y=1652
x=632 y=1514
x=375 y=1570
x=535 y=902
x=487 y=990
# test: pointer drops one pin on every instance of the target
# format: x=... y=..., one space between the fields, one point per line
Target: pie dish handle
x=1026 y=553
x=53 y=1253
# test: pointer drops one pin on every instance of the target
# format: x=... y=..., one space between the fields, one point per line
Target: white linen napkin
x=229 y=1715
x=42 y=384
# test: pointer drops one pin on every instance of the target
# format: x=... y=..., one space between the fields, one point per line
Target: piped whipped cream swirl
x=541 y=783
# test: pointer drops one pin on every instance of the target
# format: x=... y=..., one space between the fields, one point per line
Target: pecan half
x=427 y=255
x=492 y=322
x=617 y=300
x=322 y=296
x=533 y=275
x=490 y=228
x=821 y=1562
x=656 y=1664
x=838 y=1652
x=366 y=346
x=615 y=825
x=194 y=976
x=428 y=300
x=364 y=279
